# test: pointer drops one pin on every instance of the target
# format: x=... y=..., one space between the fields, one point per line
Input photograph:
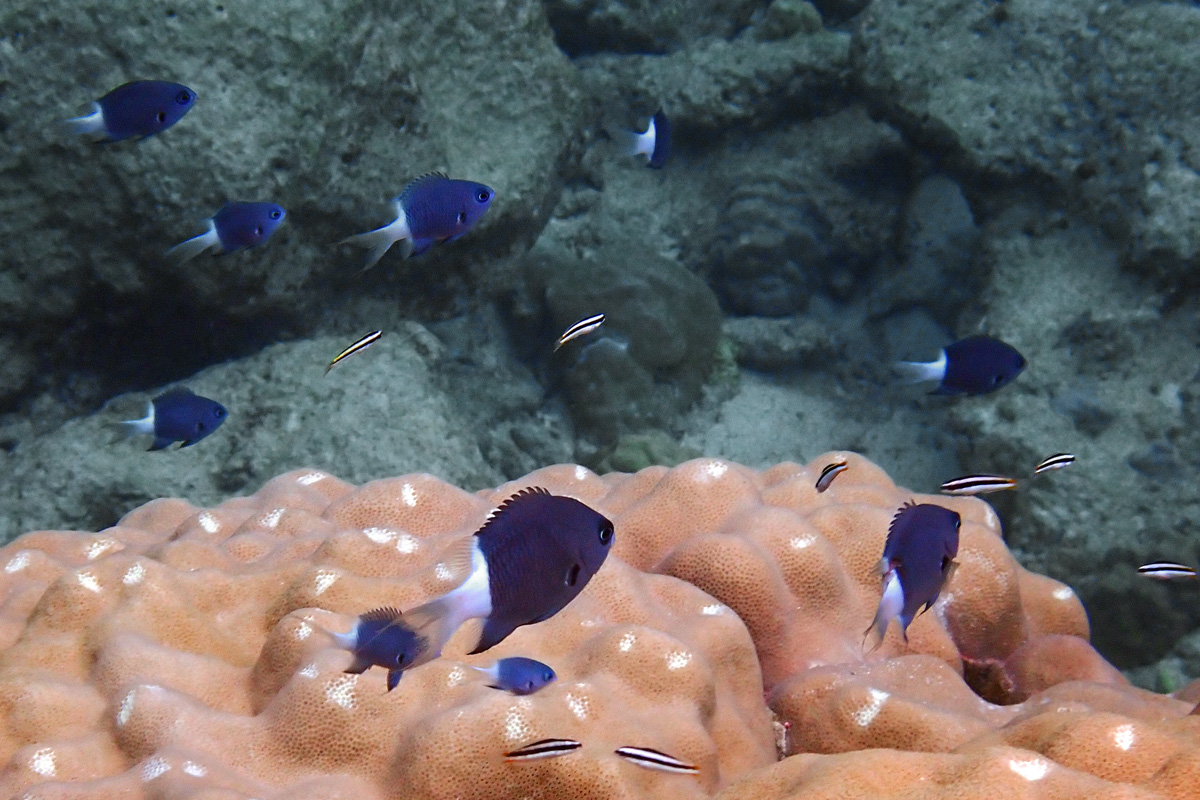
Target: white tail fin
x=135 y=427
x=90 y=123
x=918 y=371
x=380 y=240
x=635 y=143
x=186 y=251
x=890 y=606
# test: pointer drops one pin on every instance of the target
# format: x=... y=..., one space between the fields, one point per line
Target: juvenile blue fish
x=918 y=560
x=655 y=142
x=432 y=209
x=381 y=639
x=975 y=365
x=178 y=415
x=235 y=227
x=518 y=675
x=137 y=108
x=532 y=557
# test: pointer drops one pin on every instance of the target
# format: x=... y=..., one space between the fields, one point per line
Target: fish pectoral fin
x=393 y=678
x=161 y=443
x=359 y=665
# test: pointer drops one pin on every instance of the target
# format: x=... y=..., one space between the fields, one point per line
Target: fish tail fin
x=636 y=144
x=346 y=641
x=875 y=633
x=187 y=250
x=136 y=427
x=435 y=622
x=921 y=371
x=88 y=123
x=891 y=604
x=380 y=240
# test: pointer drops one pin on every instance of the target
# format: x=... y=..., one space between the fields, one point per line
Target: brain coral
x=185 y=653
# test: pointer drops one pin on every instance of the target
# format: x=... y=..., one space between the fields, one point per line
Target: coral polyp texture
x=188 y=653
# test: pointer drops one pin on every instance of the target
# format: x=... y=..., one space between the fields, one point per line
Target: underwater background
x=852 y=184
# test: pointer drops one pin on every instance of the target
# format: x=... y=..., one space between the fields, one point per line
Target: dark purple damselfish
x=137 y=109
x=979 y=364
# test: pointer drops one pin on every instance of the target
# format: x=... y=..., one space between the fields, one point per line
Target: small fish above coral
x=235 y=227
x=518 y=675
x=654 y=142
x=136 y=109
x=978 y=484
x=655 y=759
x=543 y=748
x=381 y=639
x=432 y=209
x=830 y=472
x=975 y=365
x=177 y=415
x=533 y=556
x=918 y=561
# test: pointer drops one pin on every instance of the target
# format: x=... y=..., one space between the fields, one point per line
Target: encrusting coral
x=185 y=653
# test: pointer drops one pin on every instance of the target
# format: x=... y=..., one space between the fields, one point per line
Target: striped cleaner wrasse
x=655 y=759
x=1167 y=571
x=581 y=328
x=978 y=484
x=830 y=472
x=1056 y=461
x=543 y=748
x=362 y=344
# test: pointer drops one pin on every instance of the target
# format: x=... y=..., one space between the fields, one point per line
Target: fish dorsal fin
x=175 y=391
x=500 y=510
x=891 y=536
x=417 y=182
x=383 y=614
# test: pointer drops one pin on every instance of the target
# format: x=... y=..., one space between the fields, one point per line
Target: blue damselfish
x=178 y=415
x=918 y=560
x=235 y=227
x=533 y=555
x=519 y=675
x=430 y=210
x=975 y=365
x=136 y=109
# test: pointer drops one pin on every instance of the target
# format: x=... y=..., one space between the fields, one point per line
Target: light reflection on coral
x=408 y=493
x=340 y=691
x=208 y=522
x=1031 y=769
x=88 y=581
x=628 y=639
x=154 y=767
x=18 y=562
x=866 y=715
x=678 y=659
x=1123 y=736
x=42 y=762
x=325 y=579
x=134 y=574
x=579 y=705
x=310 y=478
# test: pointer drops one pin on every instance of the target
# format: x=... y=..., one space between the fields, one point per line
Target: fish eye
x=258 y=230
x=218 y=412
x=606 y=532
x=483 y=195
x=161 y=116
x=958 y=523
x=275 y=215
x=183 y=98
x=462 y=217
x=573 y=575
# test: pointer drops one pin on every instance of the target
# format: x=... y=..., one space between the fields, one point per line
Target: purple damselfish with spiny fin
x=519 y=675
x=178 y=415
x=235 y=227
x=136 y=109
x=975 y=365
x=431 y=209
x=381 y=639
x=918 y=560
x=533 y=555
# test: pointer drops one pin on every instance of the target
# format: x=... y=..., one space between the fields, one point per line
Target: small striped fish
x=581 y=328
x=543 y=748
x=829 y=473
x=1167 y=571
x=978 y=484
x=1056 y=461
x=362 y=344
x=655 y=759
